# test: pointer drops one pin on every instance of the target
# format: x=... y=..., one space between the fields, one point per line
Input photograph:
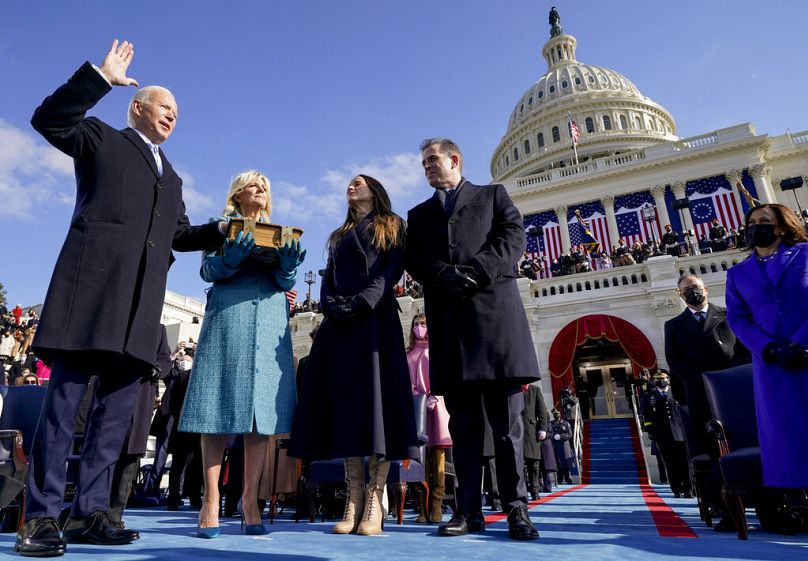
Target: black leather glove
x=790 y=355
x=346 y=307
x=459 y=280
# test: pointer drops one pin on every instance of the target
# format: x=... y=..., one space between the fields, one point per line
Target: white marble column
x=763 y=184
x=734 y=178
x=658 y=192
x=678 y=189
x=561 y=216
x=611 y=219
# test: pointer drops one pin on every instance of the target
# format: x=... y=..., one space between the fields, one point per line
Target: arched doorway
x=599 y=355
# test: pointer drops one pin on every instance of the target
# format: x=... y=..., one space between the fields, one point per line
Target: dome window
x=541 y=94
x=590 y=125
x=540 y=139
x=607 y=123
x=591 y=79
x=639 y=123
x=507 y=161
x=530 y=100
x=565 y=84
x=556 y=135
x=521 y=108
x=527 y=147
x=603 y=79
x=515 y=154
x=623 y=122
x=577 y=81
x=552 y=89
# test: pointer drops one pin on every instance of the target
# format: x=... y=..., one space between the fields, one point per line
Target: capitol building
x=595 y=330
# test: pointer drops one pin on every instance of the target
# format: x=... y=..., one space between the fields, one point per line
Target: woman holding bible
x=243 y=379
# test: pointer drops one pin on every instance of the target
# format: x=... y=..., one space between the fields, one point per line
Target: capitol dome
x=611 y=113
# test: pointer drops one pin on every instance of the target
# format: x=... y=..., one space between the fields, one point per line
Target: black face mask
x=694 y=295
x=661 y=384
x=556 y=417
x=761 y=235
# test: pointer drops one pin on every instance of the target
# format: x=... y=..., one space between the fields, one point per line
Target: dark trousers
x=534 y=481
x=675 y=458
x=122 y=479
x=503 y=408
x=109 y=418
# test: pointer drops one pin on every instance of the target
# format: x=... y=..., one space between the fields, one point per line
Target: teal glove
x=237 y=250
x=290 y=256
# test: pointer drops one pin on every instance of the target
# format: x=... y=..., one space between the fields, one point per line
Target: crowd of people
x=580 y=260
x=20 y=364
x=362 y=390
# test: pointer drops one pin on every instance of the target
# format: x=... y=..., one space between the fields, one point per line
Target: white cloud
x=401 y=174
x=31 y=173
x=196 y=202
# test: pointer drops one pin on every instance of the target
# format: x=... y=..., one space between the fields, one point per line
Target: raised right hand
x=116 y=62
x=237 y=250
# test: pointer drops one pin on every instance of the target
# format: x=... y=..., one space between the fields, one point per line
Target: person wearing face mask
x=696 y=341
x=718 y=236
x=562 y=437
x=437 y=428
x=768 y=310
x=670 y=241
x=662 y=423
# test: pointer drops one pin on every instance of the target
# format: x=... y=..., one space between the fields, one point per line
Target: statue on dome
x=555 y=23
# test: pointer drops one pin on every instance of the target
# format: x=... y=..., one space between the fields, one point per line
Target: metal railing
x=578 y=441
x=637 y=421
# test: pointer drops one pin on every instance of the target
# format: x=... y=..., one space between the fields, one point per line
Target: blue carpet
x=611 y=452
x=597 y=522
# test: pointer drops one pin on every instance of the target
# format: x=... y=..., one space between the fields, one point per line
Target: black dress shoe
x=496 y=505
x=688 y=495
x=476 y=523
x=726 y=524
x=456 y=526
x=40 y=538
x=520 y=527
x=677 y=495
x=99 y=530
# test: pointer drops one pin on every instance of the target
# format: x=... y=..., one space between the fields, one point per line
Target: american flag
x=547 y=247
x=710 y=198
x=631 y=224
x=575 y=132
x=291 y=297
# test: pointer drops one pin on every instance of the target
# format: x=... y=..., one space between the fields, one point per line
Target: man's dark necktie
x=448 y=202
x=702 y=317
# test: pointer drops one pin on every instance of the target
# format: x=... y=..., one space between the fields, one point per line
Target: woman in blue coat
x=767 y=310
x=243 y=379
x=356 y=400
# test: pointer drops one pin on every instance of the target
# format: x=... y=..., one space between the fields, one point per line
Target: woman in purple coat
x=767 y=309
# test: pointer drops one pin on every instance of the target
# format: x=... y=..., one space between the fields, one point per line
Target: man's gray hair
x=683 y=278
x=445 y=145
x=142 y=95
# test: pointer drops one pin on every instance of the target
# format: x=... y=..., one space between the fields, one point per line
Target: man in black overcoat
x=696 y=341
x=463 y=245
x=102 y=310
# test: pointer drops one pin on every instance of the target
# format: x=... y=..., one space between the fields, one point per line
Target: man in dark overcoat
x=696 y=341
x=463 y=245
x=534 y=419
x=102 y=310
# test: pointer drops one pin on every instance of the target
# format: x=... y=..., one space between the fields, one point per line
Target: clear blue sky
x=312 y=92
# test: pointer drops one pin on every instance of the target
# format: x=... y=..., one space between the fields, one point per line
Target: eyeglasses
x=30 y=382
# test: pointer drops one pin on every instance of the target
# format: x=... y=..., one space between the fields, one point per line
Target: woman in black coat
x=356 y=398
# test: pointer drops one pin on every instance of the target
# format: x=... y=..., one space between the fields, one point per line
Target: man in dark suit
x=463 y=245
x=696 y=341
x=662 y=422
x=102 y=310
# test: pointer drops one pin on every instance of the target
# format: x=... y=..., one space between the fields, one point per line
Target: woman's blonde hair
x=237 y=185
x=386 y=229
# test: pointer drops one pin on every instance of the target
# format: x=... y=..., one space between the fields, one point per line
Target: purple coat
x=766 y=302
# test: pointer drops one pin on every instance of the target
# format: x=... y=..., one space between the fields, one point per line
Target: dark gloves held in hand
x=237 y=250
x=344 y=307
x=789 y=354
x=459 y=279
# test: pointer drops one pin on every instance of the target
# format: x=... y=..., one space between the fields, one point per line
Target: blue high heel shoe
x=250 y=529
x=207 y=533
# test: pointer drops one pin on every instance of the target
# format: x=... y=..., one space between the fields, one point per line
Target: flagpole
x=574 y=144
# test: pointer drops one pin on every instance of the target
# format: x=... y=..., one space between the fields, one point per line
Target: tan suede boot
x=355 y=499
x=373 y=518
x=438 y=484
x=421 y=500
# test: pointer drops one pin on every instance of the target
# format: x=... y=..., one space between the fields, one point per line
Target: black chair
x=732 y=402
x=699 y=466
x=21 y=407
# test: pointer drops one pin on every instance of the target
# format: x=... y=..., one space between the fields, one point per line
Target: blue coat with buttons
x=766 y=302
x=108 y=286
x=243 y=373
